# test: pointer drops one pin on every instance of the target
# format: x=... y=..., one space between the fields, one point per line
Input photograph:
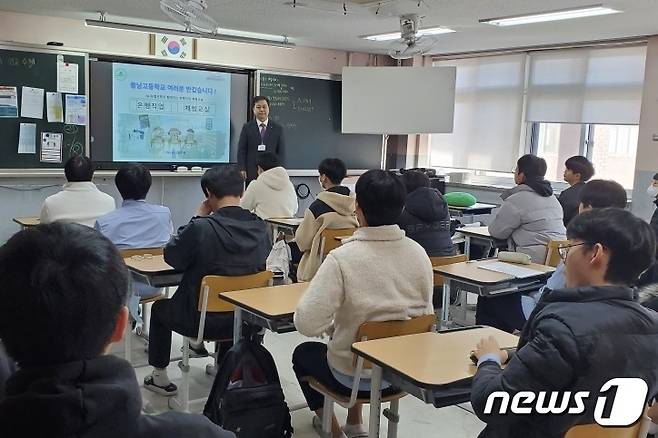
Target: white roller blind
x=586 y=85
x=488 y=114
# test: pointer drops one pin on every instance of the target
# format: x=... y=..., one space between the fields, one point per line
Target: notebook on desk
x=510 y=269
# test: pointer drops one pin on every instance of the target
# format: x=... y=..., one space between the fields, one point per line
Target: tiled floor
x=417 y=418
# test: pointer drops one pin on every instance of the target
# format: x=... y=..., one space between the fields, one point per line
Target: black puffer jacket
x=231 y=241
x=426 y=219
x=97 y=398
x=575 y=340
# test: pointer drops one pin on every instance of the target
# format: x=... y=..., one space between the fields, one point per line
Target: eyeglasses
x=564 y=250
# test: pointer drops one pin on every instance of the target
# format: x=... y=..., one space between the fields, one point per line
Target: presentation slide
x=165 y=114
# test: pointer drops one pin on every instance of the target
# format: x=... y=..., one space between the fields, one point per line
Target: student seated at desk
x=378 y=274
x=580 y=337
x=63 y=295
x=426 y=217
x=529 y=218
x=80 y=200
x=271 y=194
x=136 y=224
x=333 y=209
x=595 y=194
x=530 y=215
x=577 y=171
x=222 y=239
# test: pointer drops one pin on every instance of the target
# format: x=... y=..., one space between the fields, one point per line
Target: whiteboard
x=398 y=100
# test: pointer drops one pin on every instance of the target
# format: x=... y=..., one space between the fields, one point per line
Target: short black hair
x=63 y=286
x=630 y=241
x=222 y=181
x=532 y=166
x=655 y=176
x=381 y=195
x=334 y=169
x=79 y=169
x=133 y=181
x=257 y=99
x=267 y=160
x=581 y=165
x=412 y=179
x=601 y=193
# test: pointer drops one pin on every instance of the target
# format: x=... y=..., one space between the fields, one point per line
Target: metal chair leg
x=327 y=416
x=181 y=402
x=393 y=418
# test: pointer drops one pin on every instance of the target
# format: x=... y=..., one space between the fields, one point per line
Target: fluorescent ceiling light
x=233 y=37
x=397 y=35
x=562 y=14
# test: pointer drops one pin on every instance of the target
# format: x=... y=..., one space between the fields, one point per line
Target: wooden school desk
x=28 y=221
x=469 y=277
x=474 y=210
x=423 y=363
x=154 y=270
x=289 y=223
x=480 y=234
x=270 y=307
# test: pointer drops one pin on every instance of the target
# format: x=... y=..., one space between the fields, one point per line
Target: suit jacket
x=249 y=141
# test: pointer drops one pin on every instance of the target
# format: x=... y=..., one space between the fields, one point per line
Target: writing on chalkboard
x=13 y=61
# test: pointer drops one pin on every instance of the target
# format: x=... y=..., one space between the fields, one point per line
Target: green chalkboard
x=19 y=68
x=310 y=111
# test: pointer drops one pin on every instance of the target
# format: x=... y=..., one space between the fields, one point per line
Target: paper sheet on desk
x=510 y=269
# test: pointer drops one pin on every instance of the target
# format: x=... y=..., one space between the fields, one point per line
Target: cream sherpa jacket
x=378 y=274
x=271 y=195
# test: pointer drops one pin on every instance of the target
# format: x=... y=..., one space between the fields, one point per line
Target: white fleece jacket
x=271 y=195
x=79 y=202
x=378 y=274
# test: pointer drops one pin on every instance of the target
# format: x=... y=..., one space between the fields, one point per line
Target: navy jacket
x=426 y=219
x=231 y=241
x=575 y=340
x=96 y=398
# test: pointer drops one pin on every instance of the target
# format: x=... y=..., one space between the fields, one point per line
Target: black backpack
x=246 y=396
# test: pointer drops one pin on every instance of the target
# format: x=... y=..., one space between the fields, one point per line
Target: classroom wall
x=36 y=29
x=24 y=196
x=646 y=164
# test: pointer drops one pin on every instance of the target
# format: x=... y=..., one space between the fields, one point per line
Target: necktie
x=263 y=128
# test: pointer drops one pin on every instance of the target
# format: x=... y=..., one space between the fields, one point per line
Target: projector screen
x=398 y=100
x=165 y=115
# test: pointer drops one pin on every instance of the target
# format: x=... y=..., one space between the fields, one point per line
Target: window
x=554 y=103
x=611 y=148
x=612 y=151
x=488 y=115
x=555 y=142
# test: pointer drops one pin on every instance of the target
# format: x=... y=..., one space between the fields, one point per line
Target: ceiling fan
x=410 y=43
x=191 y=14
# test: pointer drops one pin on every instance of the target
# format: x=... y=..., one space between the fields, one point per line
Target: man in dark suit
x=258 y=135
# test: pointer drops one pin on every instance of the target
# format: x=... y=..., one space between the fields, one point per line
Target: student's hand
x=204 y=209
x=490 y=346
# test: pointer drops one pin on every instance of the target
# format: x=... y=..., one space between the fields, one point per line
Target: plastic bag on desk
x=279 y=260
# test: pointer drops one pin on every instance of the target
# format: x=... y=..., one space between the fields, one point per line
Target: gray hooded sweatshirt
x=529 y=218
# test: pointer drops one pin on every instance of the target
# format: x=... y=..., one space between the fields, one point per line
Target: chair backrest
x=329 y=241
x=637 y=430
x=126 y=253
x=387 y=329
x=442 y=261
x=221 y=283
x=553 y=253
